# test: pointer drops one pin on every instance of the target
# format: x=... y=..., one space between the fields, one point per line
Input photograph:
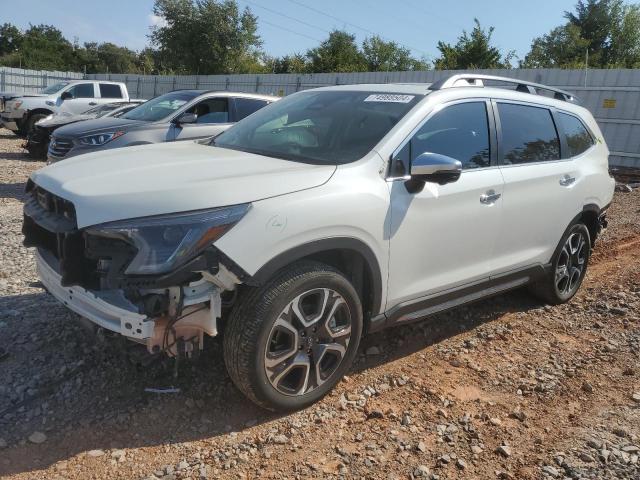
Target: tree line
x=216 y=37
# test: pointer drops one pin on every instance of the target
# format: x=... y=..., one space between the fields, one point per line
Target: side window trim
x=564 y=146
x=493 y=133
x=562 y=143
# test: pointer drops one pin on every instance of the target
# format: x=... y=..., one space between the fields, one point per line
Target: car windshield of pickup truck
x=55 y=88
x=160 y=107
x=322 y=127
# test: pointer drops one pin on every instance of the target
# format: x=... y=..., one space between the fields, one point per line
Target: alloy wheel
x=308 y=341
x=571 y=263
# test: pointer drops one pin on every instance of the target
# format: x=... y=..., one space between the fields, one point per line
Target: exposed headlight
x=165 y=242
x=100 y=138
x=17 y=104
x=45 y=119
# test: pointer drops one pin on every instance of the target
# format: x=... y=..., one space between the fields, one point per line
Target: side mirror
x=66 y=95
x=187 y=118
x=436 y=168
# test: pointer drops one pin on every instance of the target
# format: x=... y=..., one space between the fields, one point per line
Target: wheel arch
x=36 y=111
x=590 y=216
x=351 y=256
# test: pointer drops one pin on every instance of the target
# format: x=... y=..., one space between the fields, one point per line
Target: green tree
x=338 y=53
x=206 y=37
x=382 y=56
x=608 y=29
x=295 y=63
x=44 y=47
x=472 y=50
x=10 y=39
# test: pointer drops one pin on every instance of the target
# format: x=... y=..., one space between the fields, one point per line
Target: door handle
x=567 y=180
x=489 y=197
x=93 y=103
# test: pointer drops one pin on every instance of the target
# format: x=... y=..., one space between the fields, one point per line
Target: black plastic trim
x=318 y=246
x=421 y=308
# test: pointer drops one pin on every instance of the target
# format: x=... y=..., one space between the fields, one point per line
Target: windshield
x=55 y=88
x=160 y=107
x=319 y=126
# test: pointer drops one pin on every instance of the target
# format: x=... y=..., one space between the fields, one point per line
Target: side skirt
x=424 y=307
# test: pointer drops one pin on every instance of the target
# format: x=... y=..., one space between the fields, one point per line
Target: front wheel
x=568 y=267
x=290 y=342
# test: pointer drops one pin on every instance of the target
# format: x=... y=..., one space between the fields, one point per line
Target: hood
x=132 y=182
x=62 y=119
x=96 y=125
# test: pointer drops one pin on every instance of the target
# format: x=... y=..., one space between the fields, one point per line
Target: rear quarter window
x=578 y=138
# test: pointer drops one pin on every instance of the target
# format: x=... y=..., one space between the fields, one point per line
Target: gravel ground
x=504 y=389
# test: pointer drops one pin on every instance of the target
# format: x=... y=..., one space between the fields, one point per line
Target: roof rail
x=477 y=80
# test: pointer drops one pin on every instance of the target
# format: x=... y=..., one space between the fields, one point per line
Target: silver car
x=178 y=115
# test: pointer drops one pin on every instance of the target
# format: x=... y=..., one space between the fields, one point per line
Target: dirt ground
x=506 y=388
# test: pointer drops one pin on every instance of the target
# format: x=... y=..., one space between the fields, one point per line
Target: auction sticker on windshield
x=389 y=98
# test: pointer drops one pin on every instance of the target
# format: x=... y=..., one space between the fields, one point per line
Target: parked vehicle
x=38 y=139
x=330 y=214
x=21 y=113
x=178 y=115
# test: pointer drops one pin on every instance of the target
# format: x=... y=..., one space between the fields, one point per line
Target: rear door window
x=528 y=134
x=247 y=106
x=579 y=140
x=109 y=90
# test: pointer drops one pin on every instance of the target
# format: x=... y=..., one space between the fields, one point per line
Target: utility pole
x=586 y=66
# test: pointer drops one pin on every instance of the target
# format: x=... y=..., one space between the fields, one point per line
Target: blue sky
x=417 y=24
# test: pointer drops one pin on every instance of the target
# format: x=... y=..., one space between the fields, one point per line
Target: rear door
x=214 y=117
x=539 y=194
x=444 y=236
x=109 y=93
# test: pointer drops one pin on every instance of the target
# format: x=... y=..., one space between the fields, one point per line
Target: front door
x=444 y=236
x=213 y=118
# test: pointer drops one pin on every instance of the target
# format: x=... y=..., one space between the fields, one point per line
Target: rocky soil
x=507 y=388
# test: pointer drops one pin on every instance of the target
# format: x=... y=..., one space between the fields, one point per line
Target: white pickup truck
x=74 y=96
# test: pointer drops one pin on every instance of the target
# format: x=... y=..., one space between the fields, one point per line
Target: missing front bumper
x=97 y=309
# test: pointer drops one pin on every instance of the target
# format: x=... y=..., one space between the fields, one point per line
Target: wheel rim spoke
x=571 y=263
x=308 y=341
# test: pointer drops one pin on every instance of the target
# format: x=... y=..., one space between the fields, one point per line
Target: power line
x=286 y=16
x=370 y=32
x=431 y=14
x=290 y=31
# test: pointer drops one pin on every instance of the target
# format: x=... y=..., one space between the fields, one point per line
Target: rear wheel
x=569 y=267
x=289 y=342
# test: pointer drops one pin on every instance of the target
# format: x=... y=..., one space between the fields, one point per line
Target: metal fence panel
x=18 y=80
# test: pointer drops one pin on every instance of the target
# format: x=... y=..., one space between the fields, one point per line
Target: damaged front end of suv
x=157 y=280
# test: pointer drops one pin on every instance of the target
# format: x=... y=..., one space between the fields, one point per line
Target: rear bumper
x=94 y=307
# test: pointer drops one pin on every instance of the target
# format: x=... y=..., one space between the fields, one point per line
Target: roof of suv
x=224 y=93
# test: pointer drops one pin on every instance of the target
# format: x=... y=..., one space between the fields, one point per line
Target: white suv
x=327 y=215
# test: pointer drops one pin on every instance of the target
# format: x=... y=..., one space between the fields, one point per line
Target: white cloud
x=157 y=21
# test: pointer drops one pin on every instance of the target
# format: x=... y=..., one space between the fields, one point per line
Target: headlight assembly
x=100 y=138
x=165 y=242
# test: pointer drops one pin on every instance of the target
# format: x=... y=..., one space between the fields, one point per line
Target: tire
x=31 y=121
x=38 y=152
x=573 y=252
x=272 y=357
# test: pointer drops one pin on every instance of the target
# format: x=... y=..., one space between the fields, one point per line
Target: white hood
x=165 y=178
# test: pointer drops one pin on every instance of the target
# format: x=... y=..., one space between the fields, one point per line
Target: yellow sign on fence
x=609 y=103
